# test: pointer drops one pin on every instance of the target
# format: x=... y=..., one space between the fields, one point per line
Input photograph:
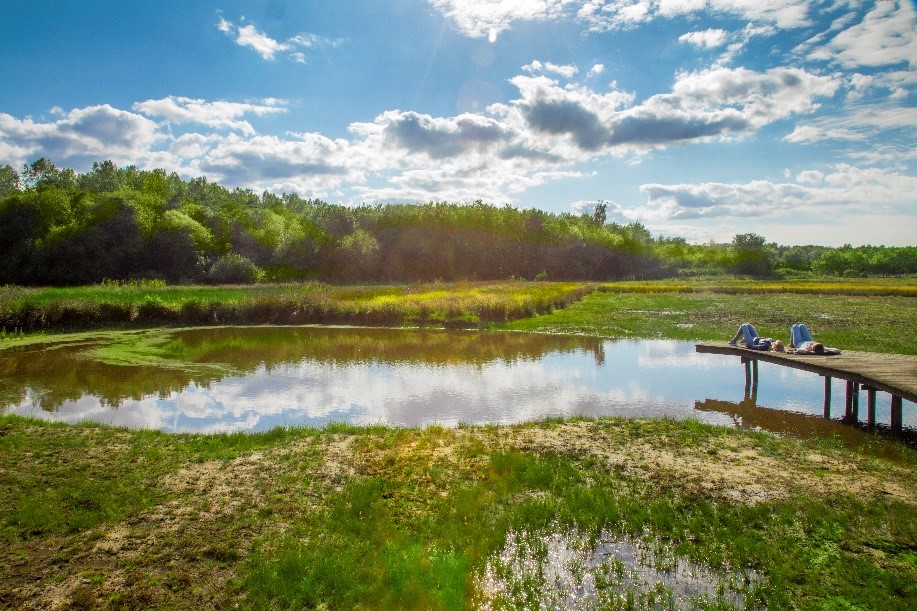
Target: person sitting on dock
x=754 y=341
x=802 y=341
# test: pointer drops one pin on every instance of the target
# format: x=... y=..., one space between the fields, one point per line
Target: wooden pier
x=895 y=374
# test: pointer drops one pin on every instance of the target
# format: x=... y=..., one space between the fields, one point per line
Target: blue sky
x=794 y=119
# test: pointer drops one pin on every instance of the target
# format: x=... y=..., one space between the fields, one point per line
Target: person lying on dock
x=752 y=340
x=802 y=343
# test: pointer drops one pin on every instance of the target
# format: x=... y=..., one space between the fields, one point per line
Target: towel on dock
x=826 y=352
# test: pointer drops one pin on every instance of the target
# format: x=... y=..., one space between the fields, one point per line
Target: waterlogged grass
x=875 y=323
x=417 y=519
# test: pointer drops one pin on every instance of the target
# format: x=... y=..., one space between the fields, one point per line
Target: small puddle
x=565 y=569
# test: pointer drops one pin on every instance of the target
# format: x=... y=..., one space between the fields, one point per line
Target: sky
x=701 y=119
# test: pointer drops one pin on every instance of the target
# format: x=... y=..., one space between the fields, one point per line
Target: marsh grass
x=404 y=518
x=108 y=305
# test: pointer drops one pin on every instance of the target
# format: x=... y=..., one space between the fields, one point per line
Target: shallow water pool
x=256 y=378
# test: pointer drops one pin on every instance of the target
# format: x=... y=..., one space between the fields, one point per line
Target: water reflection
x=257 y=378
x=565 y=569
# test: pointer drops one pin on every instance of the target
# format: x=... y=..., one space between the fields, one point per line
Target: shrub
x=234 y=269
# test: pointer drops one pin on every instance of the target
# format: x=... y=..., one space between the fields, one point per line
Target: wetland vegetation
x=341 y=517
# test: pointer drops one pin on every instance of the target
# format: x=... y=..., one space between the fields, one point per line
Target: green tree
x=43 y=173
x=358 y=255
x=103 y=178
x=599 y=215
x=751 y=255
x=9 y=180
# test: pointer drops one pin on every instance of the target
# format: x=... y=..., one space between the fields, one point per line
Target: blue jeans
x=748 y=332
x=799 y=334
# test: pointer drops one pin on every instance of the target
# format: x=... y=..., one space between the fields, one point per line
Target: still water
x=256 y=378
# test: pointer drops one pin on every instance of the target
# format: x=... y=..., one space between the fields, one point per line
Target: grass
x=111 y=305
x=878 y=323
x=383 y=518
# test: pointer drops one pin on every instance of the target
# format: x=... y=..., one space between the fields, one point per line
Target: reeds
x=450 y=305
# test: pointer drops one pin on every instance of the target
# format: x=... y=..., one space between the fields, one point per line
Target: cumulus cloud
x=91 y=133
x=714 y=103
x=220 y=114
x=440 y=138
x=312 y=161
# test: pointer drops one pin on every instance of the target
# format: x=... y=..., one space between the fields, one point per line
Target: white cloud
x=536 y=138
x=488 y=18
x=219 y=114
x=860 y=123
x=267 y=47
x=79 y=137
x=862 y=190
x=264 y=45
x=810 y=177
x=565 y=71
x=886 y=36
x=310 y=160
x=576 y=122
x=705 y=39
x=603 y=15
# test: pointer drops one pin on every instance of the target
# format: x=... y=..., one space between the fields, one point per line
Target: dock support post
x=870 y=408
x=855 y=405
x=852 y=406
x=896 y=414
x=827 y=396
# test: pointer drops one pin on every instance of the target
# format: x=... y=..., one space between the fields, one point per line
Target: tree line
x=58 y=227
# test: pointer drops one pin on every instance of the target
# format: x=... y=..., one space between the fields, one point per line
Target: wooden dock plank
x=892 y=373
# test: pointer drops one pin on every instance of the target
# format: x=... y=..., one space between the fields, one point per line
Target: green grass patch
x=380 y=518
x=871 y=323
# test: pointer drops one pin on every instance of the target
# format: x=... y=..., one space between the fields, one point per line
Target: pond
x=256 y=378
